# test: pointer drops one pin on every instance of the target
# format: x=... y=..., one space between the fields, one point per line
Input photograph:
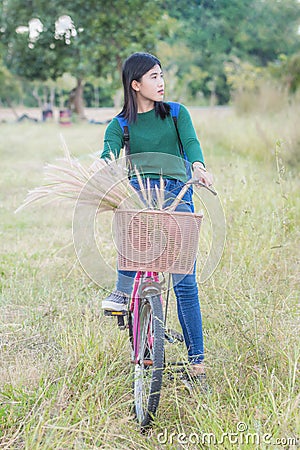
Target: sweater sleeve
x=113 y=140
x=188 y=136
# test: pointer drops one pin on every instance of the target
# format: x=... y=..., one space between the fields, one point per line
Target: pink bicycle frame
x=134 y=307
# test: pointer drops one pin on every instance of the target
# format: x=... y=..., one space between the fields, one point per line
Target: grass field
x=65 y=376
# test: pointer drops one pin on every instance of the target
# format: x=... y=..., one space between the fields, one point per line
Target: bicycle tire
x=149 y=367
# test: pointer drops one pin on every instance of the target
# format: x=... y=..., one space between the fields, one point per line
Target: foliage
x=287 y=70
x=183 y=77
x=269 y=88
x=10 y=86
x=243 y=76
x=269 y=30
x=95 y=43
x=255 y=32
x=196 y=41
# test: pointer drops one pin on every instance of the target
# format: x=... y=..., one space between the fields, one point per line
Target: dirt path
x=96 y=114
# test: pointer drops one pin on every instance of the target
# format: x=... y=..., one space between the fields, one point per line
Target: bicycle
x=153 y=242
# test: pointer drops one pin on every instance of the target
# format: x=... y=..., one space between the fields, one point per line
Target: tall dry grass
x=272 y=113
x=65 y=376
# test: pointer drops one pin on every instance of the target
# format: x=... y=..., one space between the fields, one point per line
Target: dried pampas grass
x=104 y=185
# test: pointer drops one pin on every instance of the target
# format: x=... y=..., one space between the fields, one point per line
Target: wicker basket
x=158 y=241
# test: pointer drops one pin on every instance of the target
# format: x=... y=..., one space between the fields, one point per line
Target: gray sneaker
x=116 y=301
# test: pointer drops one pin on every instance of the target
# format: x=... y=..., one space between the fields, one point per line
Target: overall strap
x=125 y=127
x=175 y=107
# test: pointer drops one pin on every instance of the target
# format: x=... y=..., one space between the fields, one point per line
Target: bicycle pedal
x=114 y=313
x=175 y=370
x=119 y=315
x=121 y=323
x=173 y=335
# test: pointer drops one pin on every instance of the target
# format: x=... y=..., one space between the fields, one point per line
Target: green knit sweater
x=154 y=147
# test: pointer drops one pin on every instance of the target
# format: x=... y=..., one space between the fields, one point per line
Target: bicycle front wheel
x=150 y=359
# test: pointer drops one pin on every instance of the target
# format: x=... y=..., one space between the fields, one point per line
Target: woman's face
x=151 y=86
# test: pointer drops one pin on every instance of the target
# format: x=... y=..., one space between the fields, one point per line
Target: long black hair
x=134 y=67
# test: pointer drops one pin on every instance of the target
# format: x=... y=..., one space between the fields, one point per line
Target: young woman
x=154 y=146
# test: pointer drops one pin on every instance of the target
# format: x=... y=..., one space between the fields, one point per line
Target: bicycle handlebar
x=199 y=183
x=185 y=188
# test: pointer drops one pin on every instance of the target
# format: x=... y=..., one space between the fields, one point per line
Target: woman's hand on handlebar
x=201 y=174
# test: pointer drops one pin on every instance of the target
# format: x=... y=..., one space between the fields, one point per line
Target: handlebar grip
x=194 y=181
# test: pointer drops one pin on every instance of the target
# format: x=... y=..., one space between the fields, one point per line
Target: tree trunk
x=36 y=95
x=12 y=108
x=96 y=96
x=76 y=104
x=52 y=97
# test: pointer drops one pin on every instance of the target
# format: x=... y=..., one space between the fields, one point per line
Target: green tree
x=287 y=71
x=10 y=88
x=258 y=31
x=99 y=36
x=269 y=29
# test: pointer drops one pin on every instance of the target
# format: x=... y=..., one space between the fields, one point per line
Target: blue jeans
x=185 y=286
